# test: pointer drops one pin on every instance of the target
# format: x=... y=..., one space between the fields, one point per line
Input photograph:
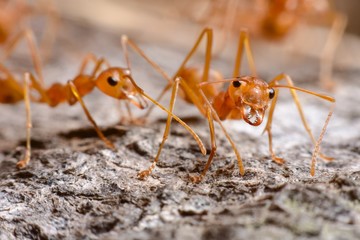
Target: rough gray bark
x=75 y=187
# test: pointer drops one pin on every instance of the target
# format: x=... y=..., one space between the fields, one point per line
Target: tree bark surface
x=75 y=187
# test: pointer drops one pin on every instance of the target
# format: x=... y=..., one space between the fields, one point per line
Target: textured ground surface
x=75 y=187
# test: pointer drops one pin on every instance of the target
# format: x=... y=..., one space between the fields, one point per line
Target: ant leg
x=128 y=109
x=88 y=115
x=143 y=174
x=229 y=23
x=125 y=41
x=34 y=52
x=120 y=111
x=35 y=84
x=268 y=129
x=89 y=57
x=244 y=41
x=199 y=178
x=158 y=99
x=199 y=102
x=25 y=161
x=339 y=22
x=182 y=123
x=50 y=30
x=317 y=145
x=217 y=119
x=292 y=88
x=206 y=32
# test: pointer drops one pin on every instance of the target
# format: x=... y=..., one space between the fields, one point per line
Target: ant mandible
x=115 y=82
x=246 y=98
x=277 y=19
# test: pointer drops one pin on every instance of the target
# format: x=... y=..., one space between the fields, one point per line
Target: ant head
x=251 y=96
x=118 y=83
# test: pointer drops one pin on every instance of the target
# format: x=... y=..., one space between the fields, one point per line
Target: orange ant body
x=277 y=19
x=247 y=98
x=115 y=82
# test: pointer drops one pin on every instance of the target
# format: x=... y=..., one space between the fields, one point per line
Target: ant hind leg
x=145 y=173
x=24 y=162
x=198 y=178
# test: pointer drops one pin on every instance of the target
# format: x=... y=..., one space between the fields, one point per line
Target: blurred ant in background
x=278 y=19
x=15 y=20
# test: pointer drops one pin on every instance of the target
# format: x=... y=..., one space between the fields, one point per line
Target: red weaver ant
x=246 y=98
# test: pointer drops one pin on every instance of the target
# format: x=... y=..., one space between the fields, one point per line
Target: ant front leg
x=145 y=173
x=199 y=178
x=24 y=162
x=218 y=120
x=268 y=129
x=77 y=95
x=206 y=108
x=292 y=88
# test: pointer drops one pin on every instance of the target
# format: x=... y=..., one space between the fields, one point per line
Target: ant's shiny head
x=251 y=96
x=117 y=83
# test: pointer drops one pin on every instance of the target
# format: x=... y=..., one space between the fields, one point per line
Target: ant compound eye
x=236 y=84
x=271 y=93
x=112 y=82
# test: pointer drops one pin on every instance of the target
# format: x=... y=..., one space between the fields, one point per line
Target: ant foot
x=143 y=174
x=278 y=160
x=196 y=179
x=21 y=164
x=326 y=158
x=109 y=144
